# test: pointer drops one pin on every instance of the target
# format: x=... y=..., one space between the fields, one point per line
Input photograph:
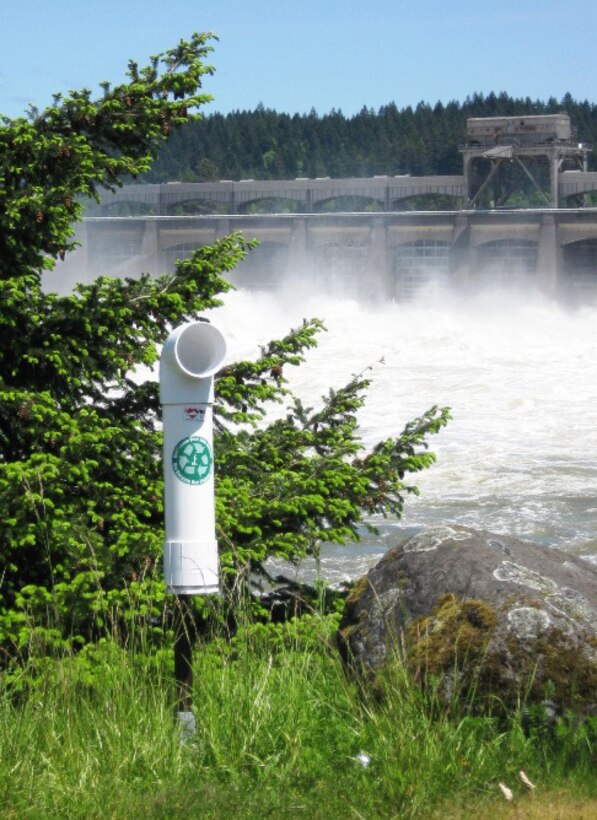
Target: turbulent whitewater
x=518 y=371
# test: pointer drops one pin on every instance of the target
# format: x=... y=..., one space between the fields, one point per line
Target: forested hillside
x=265 y=144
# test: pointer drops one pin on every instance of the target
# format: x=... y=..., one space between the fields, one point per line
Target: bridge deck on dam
x=388 y=253
x=380 y=193
x=277 y=196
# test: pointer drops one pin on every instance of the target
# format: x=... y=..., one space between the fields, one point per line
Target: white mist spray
x=520 y=373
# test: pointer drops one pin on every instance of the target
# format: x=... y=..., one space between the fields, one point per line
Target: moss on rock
x=495 y=623
x=455 y=631
x=463 y=646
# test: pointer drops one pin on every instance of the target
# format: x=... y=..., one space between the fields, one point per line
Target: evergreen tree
x=80 y=445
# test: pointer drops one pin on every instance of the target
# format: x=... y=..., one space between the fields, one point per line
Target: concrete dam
x=381 y=236
x=390 y=254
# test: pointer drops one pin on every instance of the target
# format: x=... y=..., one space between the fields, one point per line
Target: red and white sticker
x=191 y=413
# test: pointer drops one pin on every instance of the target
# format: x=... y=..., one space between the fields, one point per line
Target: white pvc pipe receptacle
x=191 y=355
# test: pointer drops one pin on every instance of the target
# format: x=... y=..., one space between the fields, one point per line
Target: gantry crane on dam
x=540 y=147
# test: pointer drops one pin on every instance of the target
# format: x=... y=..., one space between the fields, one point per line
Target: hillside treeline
x=265 y=144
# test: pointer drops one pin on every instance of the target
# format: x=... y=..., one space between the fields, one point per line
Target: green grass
x=279 y=729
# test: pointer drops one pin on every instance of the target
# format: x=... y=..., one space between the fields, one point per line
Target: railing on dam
x=380 y=193
x=248 y=196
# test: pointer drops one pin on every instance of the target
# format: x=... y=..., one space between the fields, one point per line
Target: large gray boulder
x=471 y=610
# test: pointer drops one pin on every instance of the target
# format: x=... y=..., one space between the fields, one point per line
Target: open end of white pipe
x=200 y=349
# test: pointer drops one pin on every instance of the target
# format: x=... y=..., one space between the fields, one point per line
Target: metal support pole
x=555 y=179
x=495 y=165
x=183 y=652
x=536 y=185
x=185 y=634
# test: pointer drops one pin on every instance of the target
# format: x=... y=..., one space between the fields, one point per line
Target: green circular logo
x=192 y=460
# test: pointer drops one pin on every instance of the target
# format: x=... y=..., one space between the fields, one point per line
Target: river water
x=518 y=370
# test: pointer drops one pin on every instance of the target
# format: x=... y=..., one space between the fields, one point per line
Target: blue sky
x=293 y=55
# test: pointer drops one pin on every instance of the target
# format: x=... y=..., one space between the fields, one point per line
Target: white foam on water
x=519 y=372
